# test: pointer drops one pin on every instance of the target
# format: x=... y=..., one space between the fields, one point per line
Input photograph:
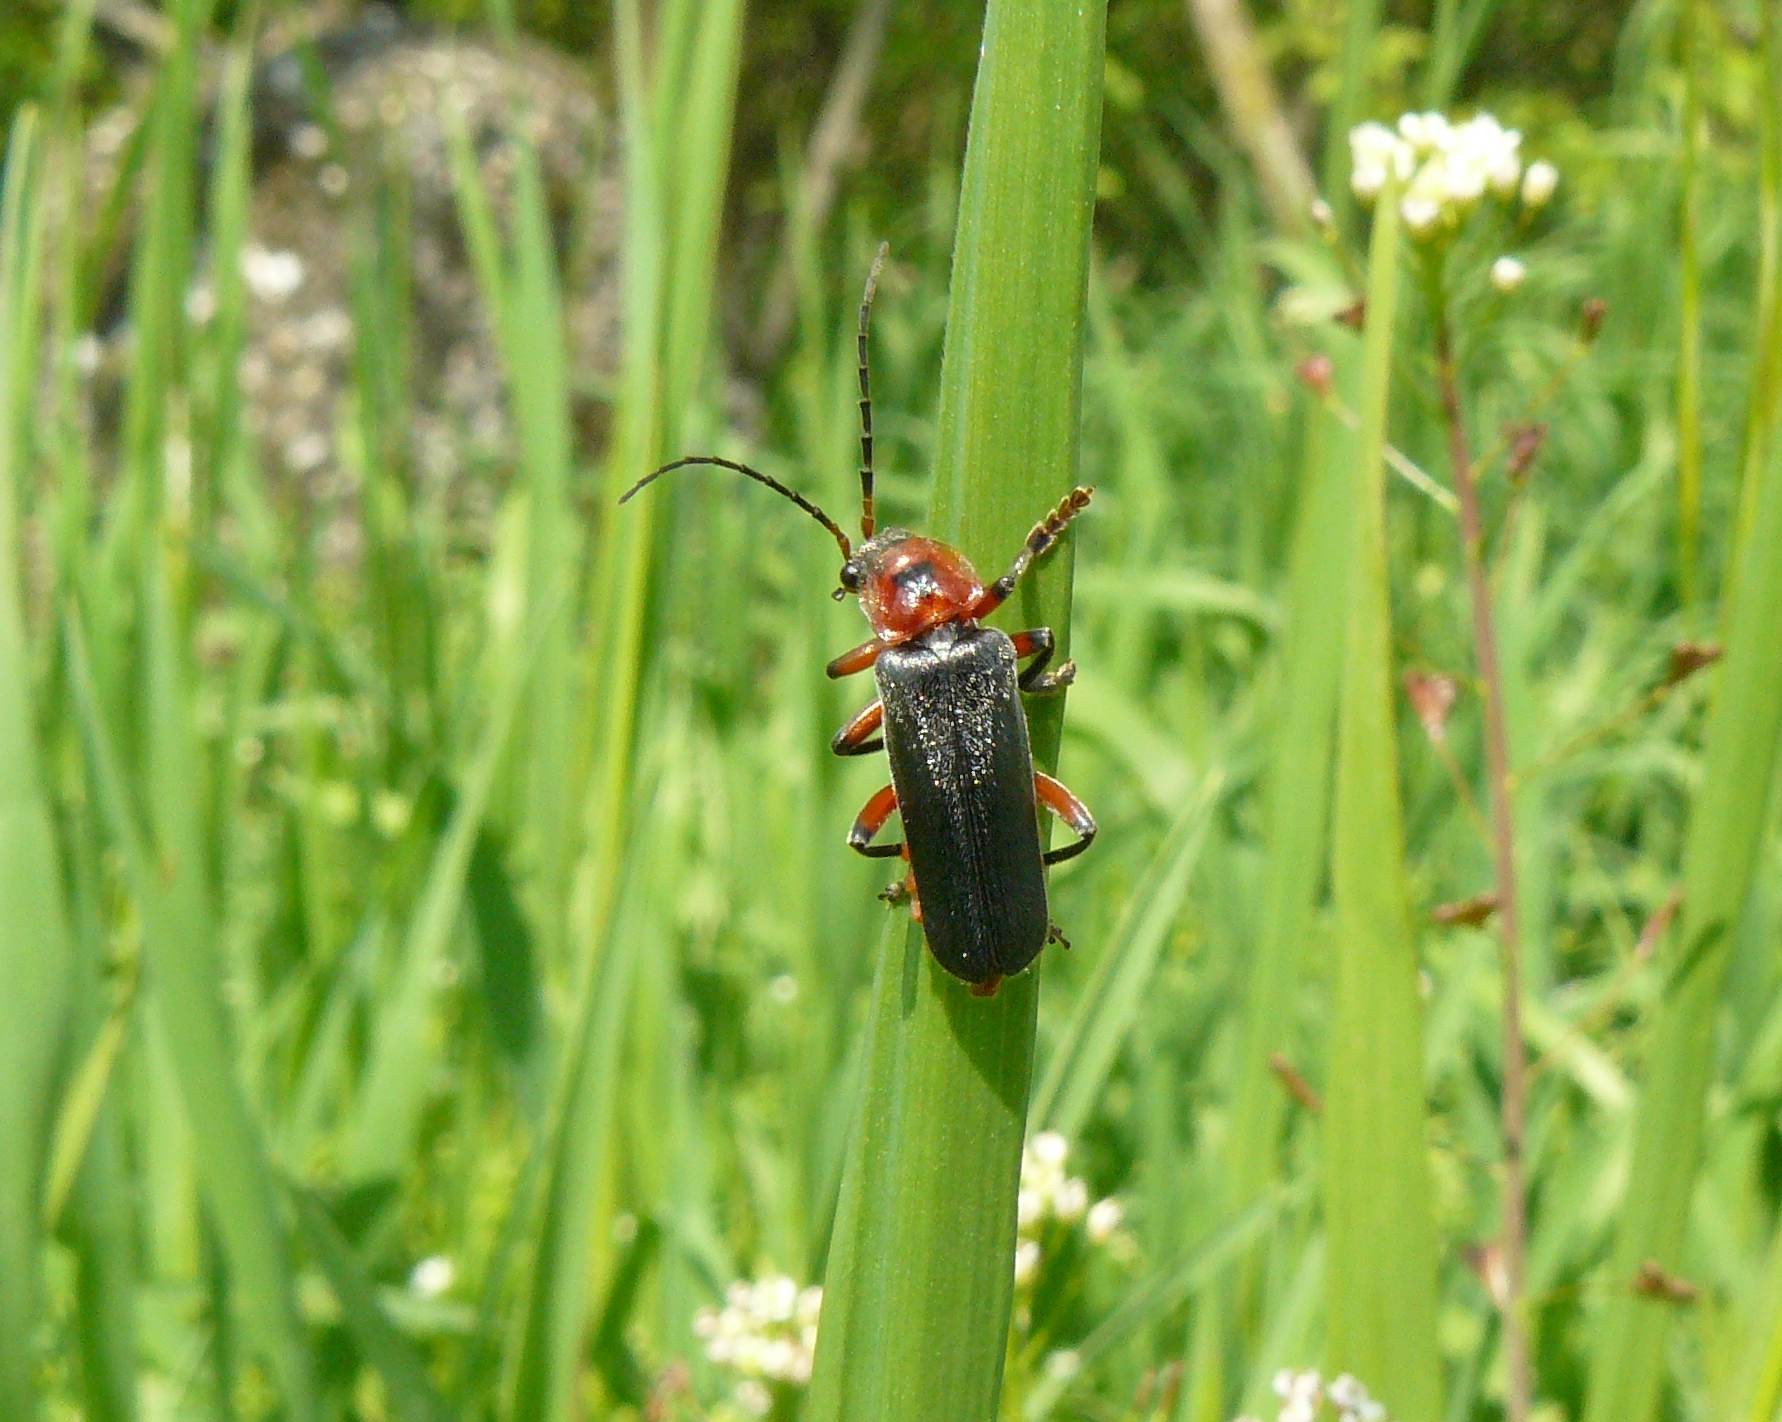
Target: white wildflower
x=766 y=1333
x=1444 y=167
x=432 y=1277
x=1105 y=1216
x=1071 y=1201
x=1027 y=1260
x=1050 y=1149
x=1538 y=184
x=1366 y=182
x=1420 y=215
x=1507 y=274
x=1346 y=1392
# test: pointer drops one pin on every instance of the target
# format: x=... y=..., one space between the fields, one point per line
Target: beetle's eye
x=850 y=577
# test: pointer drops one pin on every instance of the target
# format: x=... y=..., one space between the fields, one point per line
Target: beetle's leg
x=1069 y=809
x=1045 y=534
x=904 y=891
x=1039 y=643
x=851 y=739
x=870 y=821
x=1055 y=934
x=856 y=659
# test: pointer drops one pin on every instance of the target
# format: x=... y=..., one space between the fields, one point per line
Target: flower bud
x=1507 y=274
x=1420 y=216
x=1538 y=184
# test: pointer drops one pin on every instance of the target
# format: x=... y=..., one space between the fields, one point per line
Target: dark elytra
x=956 y=737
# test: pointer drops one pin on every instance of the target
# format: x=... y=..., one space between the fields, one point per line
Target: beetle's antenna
x=867 y=521
x=760 y=478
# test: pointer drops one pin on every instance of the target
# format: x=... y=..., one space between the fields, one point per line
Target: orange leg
x=870 y=821
x=856 y=659
x=1069 y=809
x=851 y=739
x=1038 y=643
x=1045 y=533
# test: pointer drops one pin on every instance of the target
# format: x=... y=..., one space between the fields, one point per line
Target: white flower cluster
x=1444 y=168
x=1049 y=1194
x=1304 y=1396
x=765 y=1334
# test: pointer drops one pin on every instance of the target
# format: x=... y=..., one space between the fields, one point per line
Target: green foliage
x=434 y=973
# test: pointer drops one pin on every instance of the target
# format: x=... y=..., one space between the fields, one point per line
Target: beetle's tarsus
x=1052 y=681
x=1055 y=934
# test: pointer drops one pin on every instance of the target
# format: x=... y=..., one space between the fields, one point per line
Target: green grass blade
x=34 y=945
x=1728 y=826
x=412 y=1396
x=183 y=973
x=920 y=1273
x=1109 y=1003
x=387 y=1120
x=1689 y=335
x=1382 y=1271
x=1297 y=790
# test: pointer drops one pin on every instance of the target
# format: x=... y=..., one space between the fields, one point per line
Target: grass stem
x=1513 y=1107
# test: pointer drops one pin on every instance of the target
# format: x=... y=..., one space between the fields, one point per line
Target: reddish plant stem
x=1514 y=1242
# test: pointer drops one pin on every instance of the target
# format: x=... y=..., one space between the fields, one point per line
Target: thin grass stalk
x=1360 y=37
x=35 y=951
x=1766 y=383
x=1298 y=784
x=1513 y=1233
x=1296 y=796
x=685 y=118
x=1689 y=335
x=1381 y=1279
x=919 y=1283
x=160 y=269
x=1729 y=825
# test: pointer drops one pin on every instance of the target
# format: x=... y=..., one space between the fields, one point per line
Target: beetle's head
x=907 y=585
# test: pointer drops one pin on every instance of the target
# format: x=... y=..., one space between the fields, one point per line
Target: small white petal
x=1105 y=1216
x=1050 y=1149
x=1420 y=215
x=1538 y=184
x=1507 y=274
x=432 y=1276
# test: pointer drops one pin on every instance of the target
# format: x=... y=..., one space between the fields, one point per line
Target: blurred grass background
x=434 y=969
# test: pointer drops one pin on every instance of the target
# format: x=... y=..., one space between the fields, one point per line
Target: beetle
x=950 y=720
